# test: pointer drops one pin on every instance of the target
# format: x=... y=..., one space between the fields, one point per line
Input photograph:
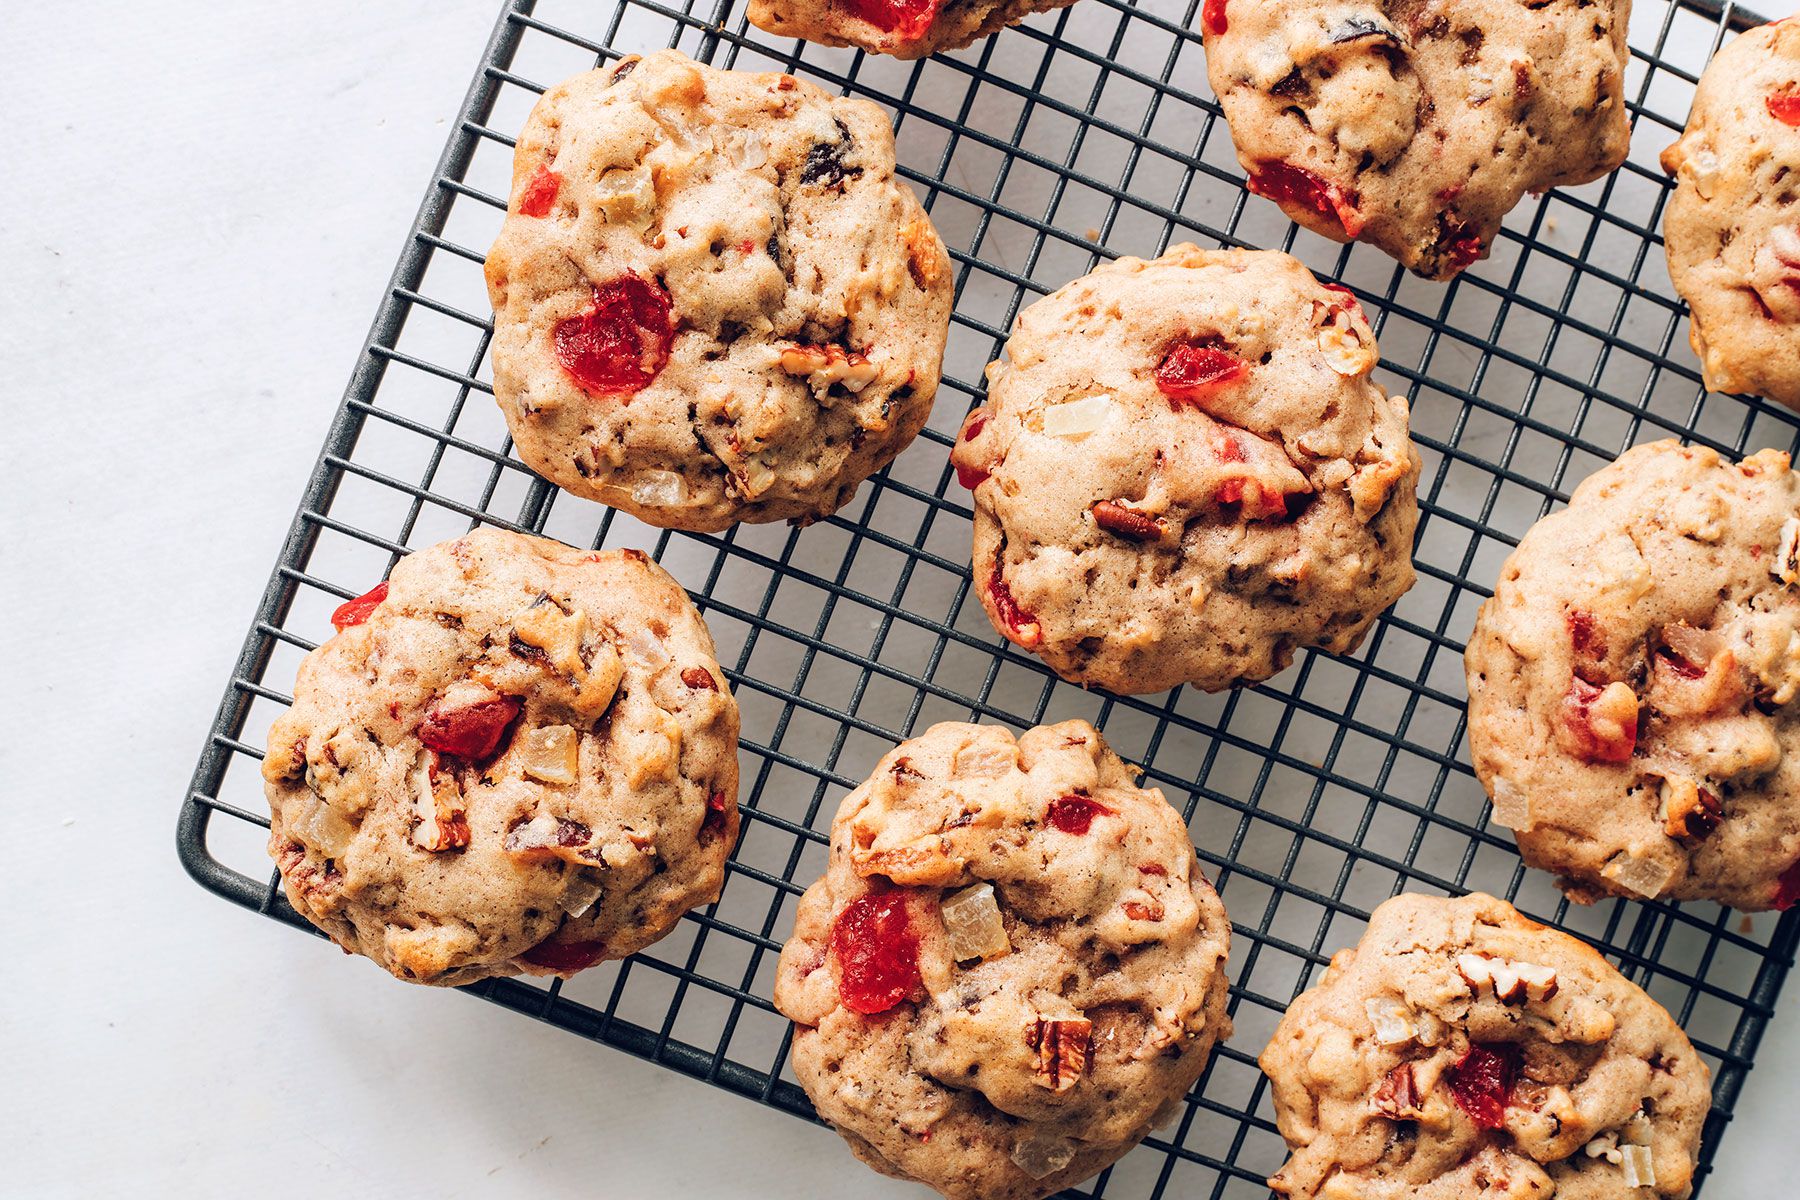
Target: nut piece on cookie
x=979 y=1000
x=1551 y=1074
x=1184 y=472
x=1633 y=683
x=1730 y=230
x=1417 y=125
x=902 y=28
x=498 y=765
x=713 y=299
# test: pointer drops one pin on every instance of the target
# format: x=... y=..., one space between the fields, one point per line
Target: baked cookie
x=1184 y=471
x=713 y=300
x=512 y=757
x=1461 y=1050
x=1734 y=246
x=1417 y=125
x=1012 y=968
x=1633 y=682
x=902 y=28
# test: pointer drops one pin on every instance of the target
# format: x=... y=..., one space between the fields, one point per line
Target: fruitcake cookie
x=1184 y=471
x=902 y=28
x=1461 y=1050
x=1633 y=682
x=1732 y=237
x=1012 y=969
x=713 y=300
x=1417 y=125
x=512 y=757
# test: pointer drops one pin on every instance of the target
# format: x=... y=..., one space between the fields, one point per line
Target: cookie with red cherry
x=902 y=28
x=1417 y=125
x=1184 y=472
x=1633 y=682
x=1731 y=230
x=1462 y=1050
x=1013 y=967
x=512 y=757
x=713 y=299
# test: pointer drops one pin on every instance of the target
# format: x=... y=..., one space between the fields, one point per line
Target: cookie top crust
x=513 y=757
x=1462 y=1050
x=1184 y=471
x=1733 y=243
x=1012 y=968
x=713 y=299
x=1632 y=682
x=903 y=28
x=1417 y=125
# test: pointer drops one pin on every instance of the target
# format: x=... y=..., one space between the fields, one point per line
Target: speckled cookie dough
x=1012 y=969
x=1731 y=230
x=1417 y=125
x=902 y=28
x=1632 y=682
x=512 y=757
x=713 y=300
x=1461 y=1051
x=1184 y=471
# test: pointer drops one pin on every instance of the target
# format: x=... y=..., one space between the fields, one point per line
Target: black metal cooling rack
x=1083 y=134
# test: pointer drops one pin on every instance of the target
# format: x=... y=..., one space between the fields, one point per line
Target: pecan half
x=1062 y=1046
x=1127 y=523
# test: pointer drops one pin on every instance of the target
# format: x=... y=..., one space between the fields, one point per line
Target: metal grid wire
x=1081 y=135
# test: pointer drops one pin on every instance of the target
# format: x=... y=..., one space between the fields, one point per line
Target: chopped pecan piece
x=1398 y=1096
x=1599 y=724
x=440 y=821
x=1062 y=1046
x=1689 y=810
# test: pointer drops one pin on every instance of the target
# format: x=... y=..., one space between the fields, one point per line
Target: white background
x=199 y=207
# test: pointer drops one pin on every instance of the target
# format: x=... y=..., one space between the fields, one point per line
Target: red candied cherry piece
x=1193 y=371
x=908 y=18
x=355 y=612
x=471 y=732
x=1347 y=300
x=1784 y=106
x=877 y=952
x=1461 y=246
x=1021 y=623
x=1481 y=1082
x=1262 y=504
x=617 y=347
x=1286 y=183
x=1787 y=887
x=1584 y=635
x=565 y=956
x=1212 y=15
x=713 y=823
x=1073 y=814
x=972 y=477
x=539 y=196
x=1590 y=743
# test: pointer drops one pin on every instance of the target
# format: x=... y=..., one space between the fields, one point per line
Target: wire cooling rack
x=1081 y=135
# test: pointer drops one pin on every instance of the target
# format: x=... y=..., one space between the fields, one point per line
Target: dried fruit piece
x=826 y=163
x=877 y=952
x=547 y=837
x=469 y=731
x=1259 y=503
x=1398 y=1096
x=565 y=957
x=1127 y=523
x=1787 y=887
x=1645 y=876
x=539 y=196
x=355 y=612
x=1599 y=725
x=971 y=477
x=549 y=754
x=1458 y=243
x=712 y=825
x=1077 y=418
x=699 y=679
x=616 y=347
x=1687 y=809
x=1041 y=1156
x=1062 y=1046
x=1392 y=1019
x=1020 y=622
x=1212 y=16
x=1285 y=183
x=908 y=18
x=628 y=198
x=1512 y=806
x=655 y=488
x=1192 y=371
x=1481 y=1082
x=1074 y=814
x=1635 y=1162
x=972 y=921
x=1784 y=106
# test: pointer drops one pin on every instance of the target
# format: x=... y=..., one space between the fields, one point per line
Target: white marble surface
x=201 y=206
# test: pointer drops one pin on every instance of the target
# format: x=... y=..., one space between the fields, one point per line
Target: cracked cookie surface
x=714 y=301
x=1417 y=125
x=513 y=757
x=1731 y=230
x=1633 y=682
x=1012 y=968
x=1461 y=1050
x=902 y=28
x=1184 y=471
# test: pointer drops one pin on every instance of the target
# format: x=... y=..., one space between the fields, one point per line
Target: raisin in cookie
x=1732 y=231
x=1417 y=125
x=1461 y=1050
x=1184 y=471
x=902 y=28
x=512 y=757
x=1011 y=970
x=1633 y=682
x=713 y=299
